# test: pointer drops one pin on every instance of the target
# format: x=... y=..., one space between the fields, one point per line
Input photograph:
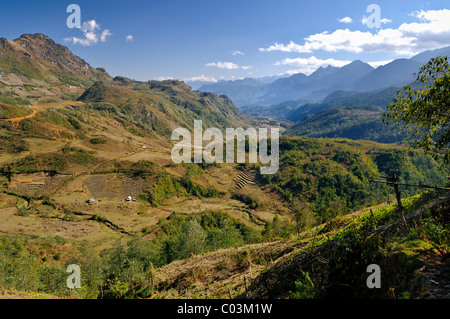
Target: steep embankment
x=330 y=260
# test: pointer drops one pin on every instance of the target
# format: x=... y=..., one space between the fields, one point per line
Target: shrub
x=246 y=199
x=97 y=140
x=304 y=287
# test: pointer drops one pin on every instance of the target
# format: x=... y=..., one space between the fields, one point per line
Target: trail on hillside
x=41 y=107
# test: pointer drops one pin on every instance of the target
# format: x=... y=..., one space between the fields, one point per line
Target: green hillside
x=341 y=98
x=334 y=175
x=87 y=178
x=352 y=122
x=329 y=261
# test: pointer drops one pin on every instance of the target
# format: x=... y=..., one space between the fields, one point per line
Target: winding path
x=36 y=108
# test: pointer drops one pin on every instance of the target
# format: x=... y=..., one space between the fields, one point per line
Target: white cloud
x=90 y=26
x=236 y=52
x=376 y=64
x=201 y=78
x=430 y=32
x=311 y=64
x=291 y=72
x=129 y=38
x=228 y=66
x=291 y=47
x=163 y=78
x=105 y=33
x=90 y=31
x=224 y=65
x=346 y=20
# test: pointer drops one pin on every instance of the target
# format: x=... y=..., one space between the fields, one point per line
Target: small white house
x=129 y=199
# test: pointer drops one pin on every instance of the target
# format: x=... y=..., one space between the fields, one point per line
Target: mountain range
x=355 y=77
x=87 y=178
x=35 y=70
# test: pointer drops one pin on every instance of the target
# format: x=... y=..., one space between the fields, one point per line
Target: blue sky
x=213 y=40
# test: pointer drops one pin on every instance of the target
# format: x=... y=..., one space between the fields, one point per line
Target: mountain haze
x=356 y=77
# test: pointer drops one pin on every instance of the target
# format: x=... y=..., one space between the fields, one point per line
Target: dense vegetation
x=123 y=271
x=9 y=111
x=320 y=181
x=350 y=245
x=339 y=99
x=421 y=110
x=167 y=186
x=335 y=176
x=128 y=270
x=55 y=162
x=352 y=122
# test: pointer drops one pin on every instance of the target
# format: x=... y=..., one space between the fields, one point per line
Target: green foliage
x=277 y=229
x=335 y=176
x=126 y=270
x=79 y=156
x=352 y=122
x=12 y=98
x=304 y=287
x=246 y=199
x=141 y=169
x=167 y=186
x=349 y=261
x=302 y=215
x=192 y=239
x=361 y=101
x=97 y=140
x=23 y=271
x=70 y=79
x=422 y=110
x=437 y=232
x=12 y=144
x=52 y=280
x=413 y=167
x=8 y=111
x=225 y=235
x=50 y=162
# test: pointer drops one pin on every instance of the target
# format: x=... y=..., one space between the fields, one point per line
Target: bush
x=436 y=232
x=246 y=199
x=167 y=186
x=304 y=287
x=97 y=140
x=52 y=280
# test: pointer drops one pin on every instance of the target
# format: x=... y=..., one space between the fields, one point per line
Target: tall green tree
x=422 y=110
x=192 y=238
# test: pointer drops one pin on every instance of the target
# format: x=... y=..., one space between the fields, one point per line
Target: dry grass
x=224 y=273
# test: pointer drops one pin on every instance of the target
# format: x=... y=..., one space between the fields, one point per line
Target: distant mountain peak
x=424 y=57
x=322 y=72
x=357 y=62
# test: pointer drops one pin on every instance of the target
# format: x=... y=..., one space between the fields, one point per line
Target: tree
x=192 y=238
x=225 y=236
x=302 y=215
x=423 y=112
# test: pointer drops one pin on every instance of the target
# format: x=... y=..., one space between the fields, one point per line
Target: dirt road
x=36 y=108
